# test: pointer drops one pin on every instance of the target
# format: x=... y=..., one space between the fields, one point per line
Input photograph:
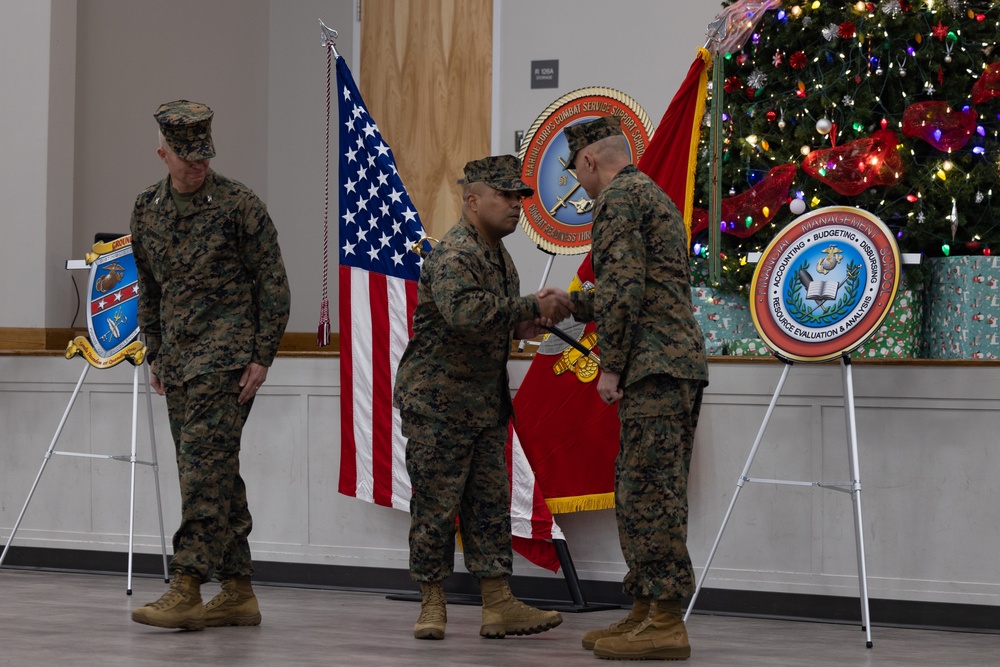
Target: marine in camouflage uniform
x=213 y=305
x=653 y=362
x=453 y=394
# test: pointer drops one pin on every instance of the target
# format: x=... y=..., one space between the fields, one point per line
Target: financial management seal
x=558 y=217
x=825 y=283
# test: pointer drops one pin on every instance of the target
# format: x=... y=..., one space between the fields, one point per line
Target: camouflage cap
x=581 y=135
x=500 y=172
x=187 y=127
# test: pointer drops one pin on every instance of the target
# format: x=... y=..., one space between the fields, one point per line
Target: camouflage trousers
x=206 y=423
x=659 y=415
x=456 y=470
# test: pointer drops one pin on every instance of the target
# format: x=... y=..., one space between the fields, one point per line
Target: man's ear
x=472 y=202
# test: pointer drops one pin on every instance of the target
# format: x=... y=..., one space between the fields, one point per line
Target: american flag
x=378 y=294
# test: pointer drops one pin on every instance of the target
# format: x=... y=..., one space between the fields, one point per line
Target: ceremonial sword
x=574 y=343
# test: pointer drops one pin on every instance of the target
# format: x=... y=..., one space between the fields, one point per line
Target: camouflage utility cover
x=213 y=290
x=455 y=365
x=187 y=127
x=500 y=172
x=581 y=135
x=642 y=302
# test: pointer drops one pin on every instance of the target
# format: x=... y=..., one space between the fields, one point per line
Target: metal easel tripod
x=129 y=458
x=852 y=487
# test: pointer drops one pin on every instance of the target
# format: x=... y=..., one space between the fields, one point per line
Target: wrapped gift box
x=899 y=337
x=747 y=347
x=963 y=307
x=722 y=317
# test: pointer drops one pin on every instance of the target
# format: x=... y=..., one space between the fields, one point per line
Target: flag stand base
x=577 y=604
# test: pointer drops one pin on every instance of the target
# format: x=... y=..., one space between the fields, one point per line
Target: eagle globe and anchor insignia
x=825 y=283
x=112 y=308
x=559 y=216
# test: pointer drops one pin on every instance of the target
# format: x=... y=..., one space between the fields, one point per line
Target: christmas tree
x=888 y=106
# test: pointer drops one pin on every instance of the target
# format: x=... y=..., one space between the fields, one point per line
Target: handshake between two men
x=554 y=306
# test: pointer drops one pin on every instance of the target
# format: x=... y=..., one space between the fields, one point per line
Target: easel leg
x=45 y=460
x=739 y=486
x=852 y=439
x=131 y=460
x=545 y=278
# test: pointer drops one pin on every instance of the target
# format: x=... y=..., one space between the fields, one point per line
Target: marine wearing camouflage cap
x=187 y=127
x=581 y=135
x=500 y=172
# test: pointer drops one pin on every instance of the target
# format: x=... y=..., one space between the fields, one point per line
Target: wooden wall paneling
x=426 y=76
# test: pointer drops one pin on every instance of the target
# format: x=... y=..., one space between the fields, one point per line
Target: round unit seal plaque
x=558 y=217
x=825 y=283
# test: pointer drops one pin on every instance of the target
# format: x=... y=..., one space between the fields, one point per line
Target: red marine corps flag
x=673 y=151
x=378 y=293
x=570 y=435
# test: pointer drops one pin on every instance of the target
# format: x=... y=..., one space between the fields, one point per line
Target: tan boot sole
x=679 y=653
x=501 y=630
x=187 y=624
x=244 y=621
x=428 y=633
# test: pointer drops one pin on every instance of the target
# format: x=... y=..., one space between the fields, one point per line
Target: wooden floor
x=51 y=618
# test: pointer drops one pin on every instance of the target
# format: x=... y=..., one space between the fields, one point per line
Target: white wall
x=929 y=475
x=37 y=53
x=296 y=146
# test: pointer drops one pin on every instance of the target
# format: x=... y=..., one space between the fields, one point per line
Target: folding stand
x=852 y=487
x=130 y=458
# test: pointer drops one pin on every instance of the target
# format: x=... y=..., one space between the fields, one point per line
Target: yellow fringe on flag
x=596 y=501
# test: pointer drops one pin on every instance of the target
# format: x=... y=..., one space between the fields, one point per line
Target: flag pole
x=718 y=29
x=327 y=35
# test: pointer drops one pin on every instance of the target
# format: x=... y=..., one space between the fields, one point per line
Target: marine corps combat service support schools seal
x=824 y=284
x=559 y=216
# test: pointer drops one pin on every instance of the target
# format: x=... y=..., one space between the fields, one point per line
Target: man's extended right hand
x=554 y=306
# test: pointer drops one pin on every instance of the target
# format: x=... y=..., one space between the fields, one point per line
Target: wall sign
x=544 y=73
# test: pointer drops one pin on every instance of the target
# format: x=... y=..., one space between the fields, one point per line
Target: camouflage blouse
x=213 y=291
x=468 y=305
x=642 y=299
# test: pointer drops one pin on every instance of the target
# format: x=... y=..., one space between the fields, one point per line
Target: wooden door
x=426 y=76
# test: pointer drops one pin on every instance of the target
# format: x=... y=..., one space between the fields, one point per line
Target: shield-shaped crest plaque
x=112 y=306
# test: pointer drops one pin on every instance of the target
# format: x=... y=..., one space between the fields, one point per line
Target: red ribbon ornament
x=852 y=168
x=939 y=125
x=987 y=86
x=770 y=193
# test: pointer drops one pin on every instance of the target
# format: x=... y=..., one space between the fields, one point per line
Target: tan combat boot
x=640 y=610
x=179 y=607
x=235 y=604
x=433 y=615
x=504 y=614
x=662 y=636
